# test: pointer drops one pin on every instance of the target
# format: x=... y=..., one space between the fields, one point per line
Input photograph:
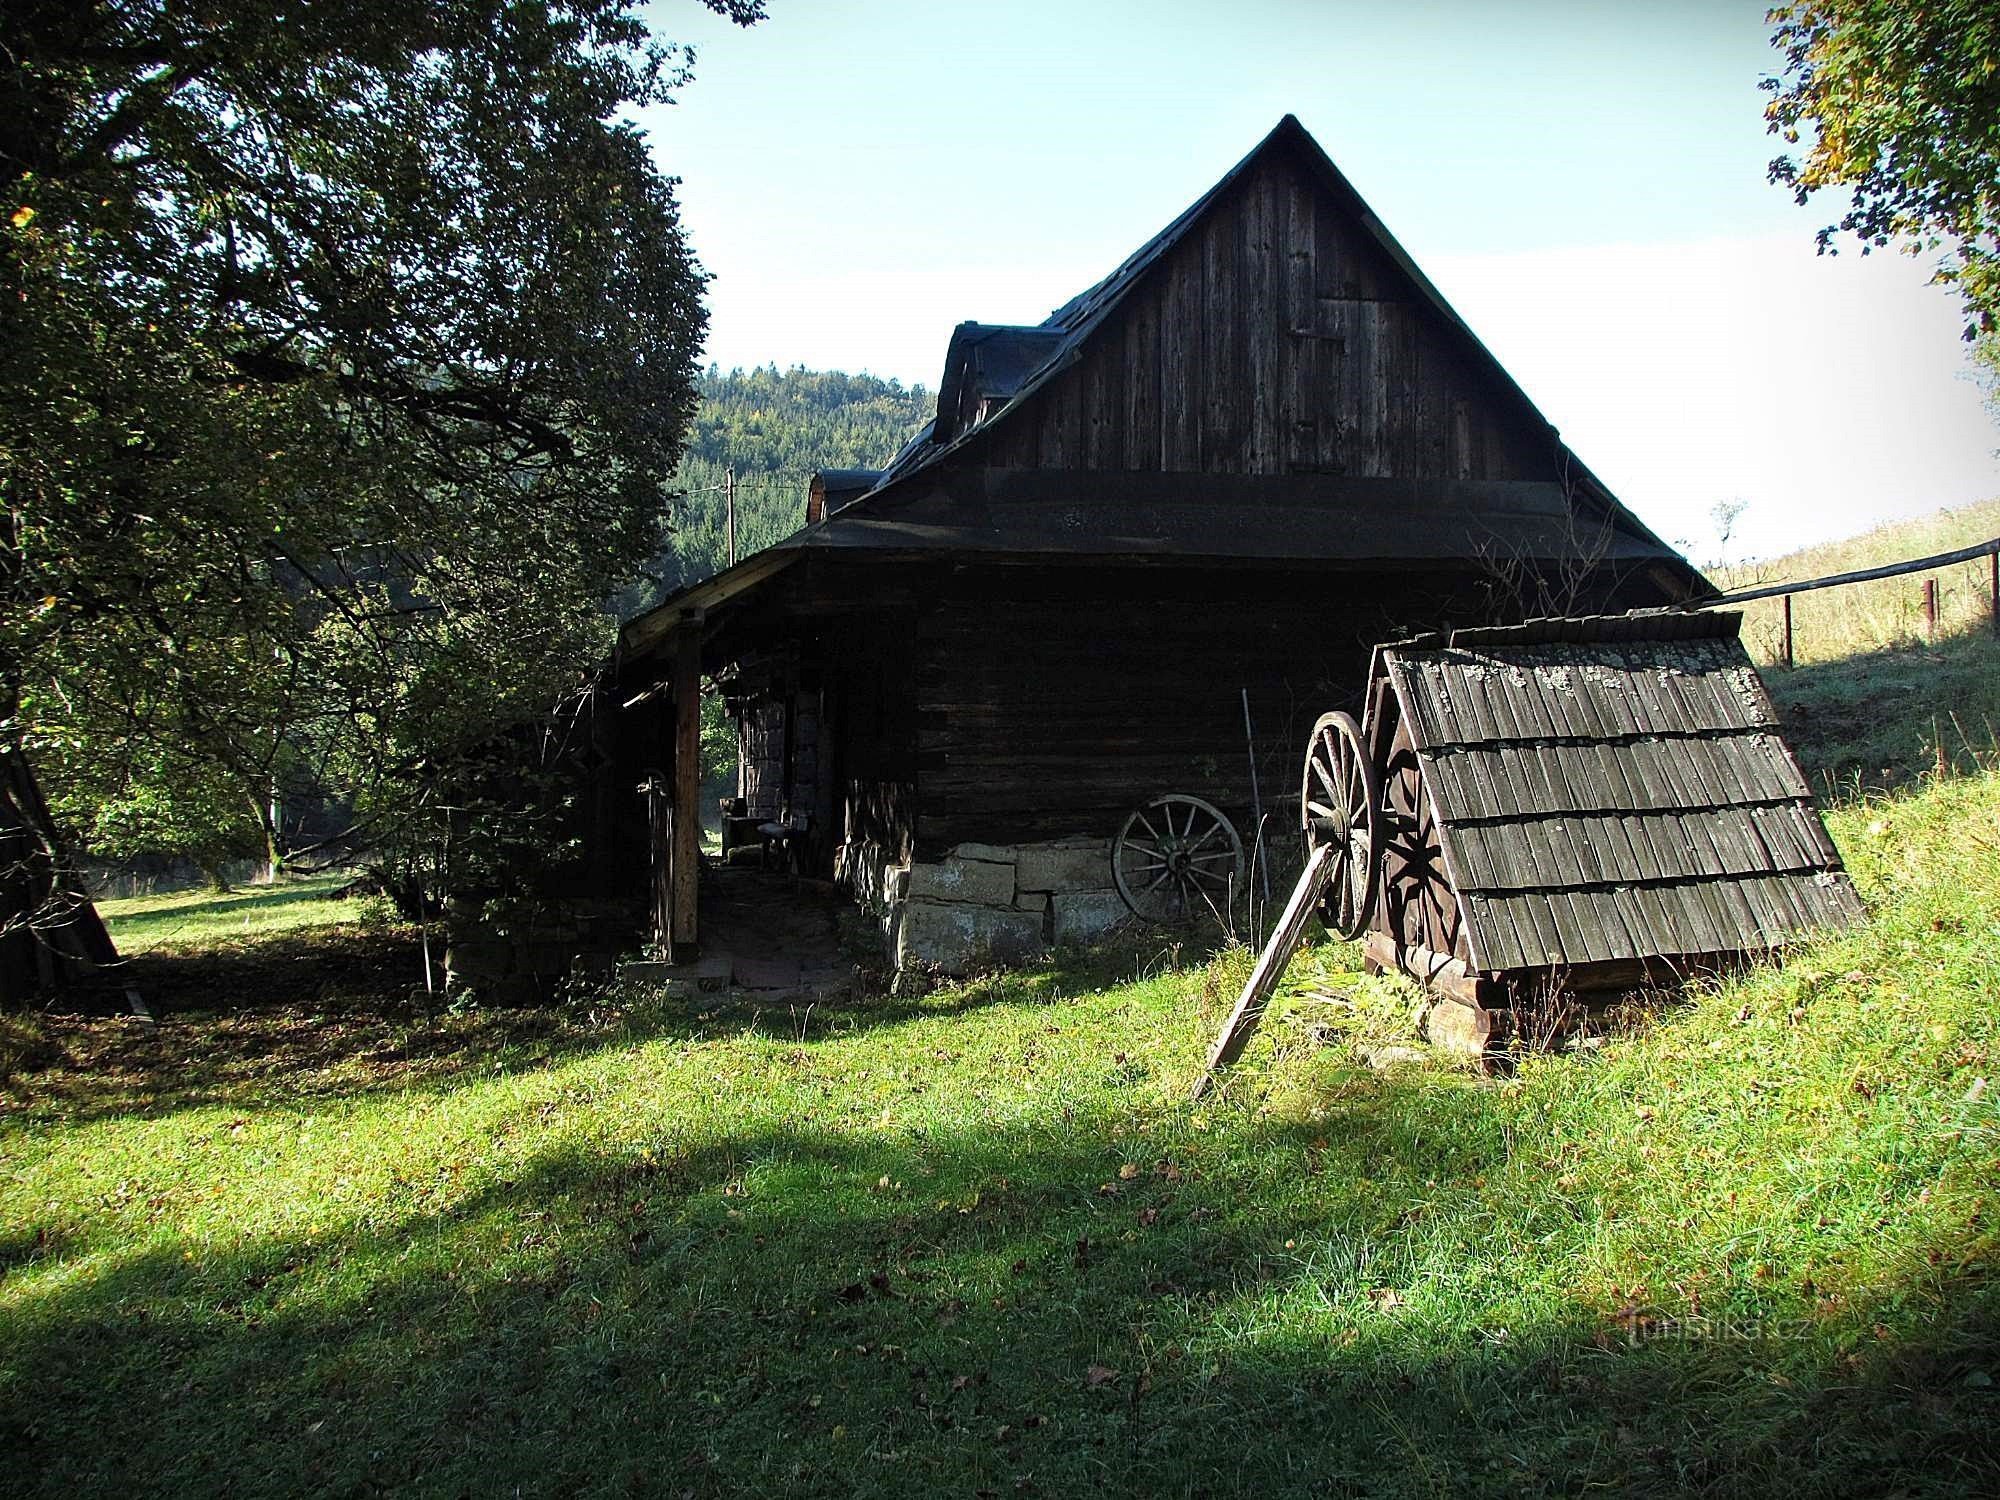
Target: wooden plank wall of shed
x=760 y=756
x=870 y=744
x=1051 y=702
x=1278 y=338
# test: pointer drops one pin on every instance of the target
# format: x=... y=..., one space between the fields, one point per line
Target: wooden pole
x=1788 y=632
x=729 y=508
x=687 y=782
x=1284 y=941
x=1256 y=803
x=1930 y=608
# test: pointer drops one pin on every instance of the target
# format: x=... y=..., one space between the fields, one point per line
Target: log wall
x=1052 y=704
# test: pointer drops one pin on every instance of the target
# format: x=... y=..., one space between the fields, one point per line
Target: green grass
x=202 y=918
x=1862 y=619
x=981 y=1244
x=1872 y=704
x=1882 y=719
x=307 y=1237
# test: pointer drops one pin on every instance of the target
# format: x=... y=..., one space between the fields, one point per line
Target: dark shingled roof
x=922 y=504
x=1614 y=788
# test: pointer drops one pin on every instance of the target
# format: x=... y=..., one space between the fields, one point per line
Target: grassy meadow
x=1873 y=702
x=203 y=919
x=1864 y=618
x=305 y=1238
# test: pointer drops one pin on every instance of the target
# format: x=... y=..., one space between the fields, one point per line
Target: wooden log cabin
x=1258 y=447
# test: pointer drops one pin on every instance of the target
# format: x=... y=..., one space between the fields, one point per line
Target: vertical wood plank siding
x=1278 y=339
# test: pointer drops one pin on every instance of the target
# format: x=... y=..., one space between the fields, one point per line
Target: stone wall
x=987 y=905
x=982 y=906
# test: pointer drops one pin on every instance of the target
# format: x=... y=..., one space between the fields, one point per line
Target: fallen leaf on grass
x=1129 y=1171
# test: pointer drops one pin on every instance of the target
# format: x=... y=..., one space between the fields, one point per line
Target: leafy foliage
x=154 y=800
x=1901 y=99
x=349 y=345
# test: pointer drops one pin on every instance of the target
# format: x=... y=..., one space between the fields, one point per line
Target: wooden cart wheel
x=1177 y=859
x=1340 y=805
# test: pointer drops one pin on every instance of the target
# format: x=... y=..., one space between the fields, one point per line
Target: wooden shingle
x=1614 y=789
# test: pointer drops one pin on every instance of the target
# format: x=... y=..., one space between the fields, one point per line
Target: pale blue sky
x=1584 y=181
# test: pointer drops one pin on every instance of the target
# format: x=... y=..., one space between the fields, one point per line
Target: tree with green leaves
x=350 y=344
x=1896 y=103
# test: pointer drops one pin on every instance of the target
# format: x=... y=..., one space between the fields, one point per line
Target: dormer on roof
x=984 y=366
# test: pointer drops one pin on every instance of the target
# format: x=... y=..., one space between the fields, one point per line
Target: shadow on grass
x=1878 y=721
x=331 y=1013
x=797 y=1311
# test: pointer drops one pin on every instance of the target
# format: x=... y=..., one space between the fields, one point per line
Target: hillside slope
x=981 y=1243
x=1872 y=702
x=1866 y=617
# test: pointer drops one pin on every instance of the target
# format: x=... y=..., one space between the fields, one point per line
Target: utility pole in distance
x=729 y=509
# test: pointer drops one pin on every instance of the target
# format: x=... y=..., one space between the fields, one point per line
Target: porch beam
x=687 y=780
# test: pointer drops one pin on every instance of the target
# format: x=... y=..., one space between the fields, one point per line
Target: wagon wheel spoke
x=1177 y=858
x=1205 y=840
x=1340 y=806
x=1326 y=781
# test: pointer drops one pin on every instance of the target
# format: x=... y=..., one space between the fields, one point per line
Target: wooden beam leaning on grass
x=1263 y=980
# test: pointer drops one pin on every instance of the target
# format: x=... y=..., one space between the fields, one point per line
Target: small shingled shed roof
x=1614 y=788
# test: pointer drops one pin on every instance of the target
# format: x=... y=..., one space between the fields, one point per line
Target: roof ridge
x=1083 y=314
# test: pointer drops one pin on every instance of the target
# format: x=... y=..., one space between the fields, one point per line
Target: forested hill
x=775 y=427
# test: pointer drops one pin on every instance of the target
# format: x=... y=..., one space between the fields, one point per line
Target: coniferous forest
x=775 y=428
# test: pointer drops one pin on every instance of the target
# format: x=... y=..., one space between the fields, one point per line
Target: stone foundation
x=987 y=905
x=982 y=906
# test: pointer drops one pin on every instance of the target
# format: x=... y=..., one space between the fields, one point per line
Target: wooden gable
x=1277 y=335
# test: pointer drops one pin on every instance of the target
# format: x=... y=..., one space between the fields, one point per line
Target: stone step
x=707 y=974
x=767 y=973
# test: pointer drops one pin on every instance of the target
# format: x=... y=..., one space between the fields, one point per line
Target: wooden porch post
x=687 y=779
